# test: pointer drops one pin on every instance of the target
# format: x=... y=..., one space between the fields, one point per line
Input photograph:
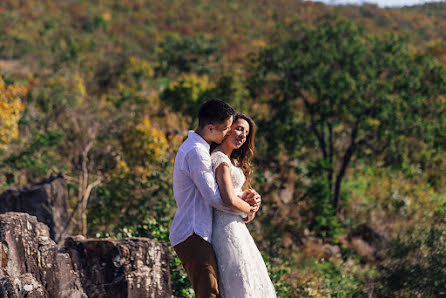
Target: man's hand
x=251 y=197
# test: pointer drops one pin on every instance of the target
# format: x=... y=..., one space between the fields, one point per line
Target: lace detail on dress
x=237 y=176
x=217 y=157
x=242 y=271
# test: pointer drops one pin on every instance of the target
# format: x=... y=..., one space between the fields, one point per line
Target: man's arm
x=250 y=217
x=200 y=167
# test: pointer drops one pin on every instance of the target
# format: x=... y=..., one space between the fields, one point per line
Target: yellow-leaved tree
x=10 y=108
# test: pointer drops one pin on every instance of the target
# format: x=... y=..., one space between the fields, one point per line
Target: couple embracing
x=208 y=232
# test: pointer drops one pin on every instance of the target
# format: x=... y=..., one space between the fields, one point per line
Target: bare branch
x=89 y=189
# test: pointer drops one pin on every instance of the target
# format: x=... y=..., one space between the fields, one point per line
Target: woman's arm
x=200 y=171
x=223 y=177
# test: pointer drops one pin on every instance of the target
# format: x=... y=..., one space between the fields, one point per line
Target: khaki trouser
x=198 y=258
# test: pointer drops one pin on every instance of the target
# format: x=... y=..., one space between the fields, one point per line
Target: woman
x=242 y=271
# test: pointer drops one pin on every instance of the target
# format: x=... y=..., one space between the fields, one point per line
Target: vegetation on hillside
x=349 y=102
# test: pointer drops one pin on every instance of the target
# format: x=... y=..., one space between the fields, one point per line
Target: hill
x=349 y=102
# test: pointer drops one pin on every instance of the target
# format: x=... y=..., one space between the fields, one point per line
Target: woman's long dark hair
x=244 y=154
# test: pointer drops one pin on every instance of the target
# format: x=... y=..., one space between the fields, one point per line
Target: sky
x=382 y=3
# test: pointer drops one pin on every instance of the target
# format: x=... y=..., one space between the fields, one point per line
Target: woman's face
x=239 y=133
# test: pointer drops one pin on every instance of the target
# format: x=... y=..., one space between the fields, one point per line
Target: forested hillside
x=349 y=101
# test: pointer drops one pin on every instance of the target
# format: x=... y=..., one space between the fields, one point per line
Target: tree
x=10 y=108
x=337 y=89
x=416 y=264
x=190 y=54
x=137 y=193
x=187 y=93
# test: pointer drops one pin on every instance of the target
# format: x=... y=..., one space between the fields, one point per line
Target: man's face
x=219 y=131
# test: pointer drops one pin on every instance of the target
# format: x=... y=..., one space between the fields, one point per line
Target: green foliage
x=342 y=91
x=231 y=88
x=97 y=71
x=188 y=54
x=336 y=280
x=134 y=84
x=311 y=277
x=187 y=93
x=137 y=73
x=277 y=271
x=323 y=220
x=416 y=264
x=134 y=198
x=181 y=285
x=57 y=94
x=37 y=159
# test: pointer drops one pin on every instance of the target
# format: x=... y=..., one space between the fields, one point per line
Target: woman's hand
x=252 y=197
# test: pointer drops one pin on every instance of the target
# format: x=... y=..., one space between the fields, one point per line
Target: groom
x=196 y=193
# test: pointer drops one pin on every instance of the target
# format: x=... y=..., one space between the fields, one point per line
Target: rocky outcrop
x=47 y=200
x=32 y=265
x=132 y=267
x=21 y=286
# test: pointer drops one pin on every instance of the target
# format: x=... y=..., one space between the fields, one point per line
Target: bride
x=242 y=271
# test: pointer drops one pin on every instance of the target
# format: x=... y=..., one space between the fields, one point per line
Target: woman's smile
x=239 y=141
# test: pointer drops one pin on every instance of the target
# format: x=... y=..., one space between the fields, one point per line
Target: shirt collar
x=196 y=137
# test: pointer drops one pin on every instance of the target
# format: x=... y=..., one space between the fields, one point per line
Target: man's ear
x=210 y=127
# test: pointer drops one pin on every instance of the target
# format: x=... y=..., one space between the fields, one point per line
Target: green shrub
x=416 y=264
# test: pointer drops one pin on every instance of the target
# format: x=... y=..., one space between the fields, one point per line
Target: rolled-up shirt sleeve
x=200 y=167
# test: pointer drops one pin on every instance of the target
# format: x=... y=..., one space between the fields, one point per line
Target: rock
x=314 y=247
x=131 y=267
x=368 y=243
x=332 y=251
x=21 y=286
x=47 y=200
x=287 y=240
x=370 y=235
x=287 y=192
x=364 y=250
x=31 y=263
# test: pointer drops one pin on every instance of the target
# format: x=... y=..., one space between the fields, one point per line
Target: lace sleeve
x=217 y=158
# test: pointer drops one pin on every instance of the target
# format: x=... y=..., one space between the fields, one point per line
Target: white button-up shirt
x=195 y=191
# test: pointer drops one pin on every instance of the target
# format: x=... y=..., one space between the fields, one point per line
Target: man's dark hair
x=214 y=111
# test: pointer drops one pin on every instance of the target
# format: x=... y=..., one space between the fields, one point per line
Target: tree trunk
x=346 y=160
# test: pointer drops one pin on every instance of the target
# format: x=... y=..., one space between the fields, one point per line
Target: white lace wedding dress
x=242 y=271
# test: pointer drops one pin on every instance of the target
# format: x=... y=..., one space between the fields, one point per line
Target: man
x=196 y=193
